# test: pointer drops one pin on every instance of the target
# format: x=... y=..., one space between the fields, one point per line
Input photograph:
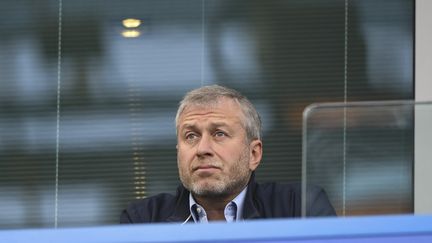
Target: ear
x=255 y=154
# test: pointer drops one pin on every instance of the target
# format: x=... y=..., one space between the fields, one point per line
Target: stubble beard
x=221 y=187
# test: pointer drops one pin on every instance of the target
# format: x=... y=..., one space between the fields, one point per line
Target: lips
x=206 y=168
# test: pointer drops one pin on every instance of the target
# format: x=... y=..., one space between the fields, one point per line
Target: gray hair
x=210 y=95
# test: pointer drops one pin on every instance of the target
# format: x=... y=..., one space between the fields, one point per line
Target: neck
x=215 y=206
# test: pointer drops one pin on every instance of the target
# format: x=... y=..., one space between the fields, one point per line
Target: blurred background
x=89 y=91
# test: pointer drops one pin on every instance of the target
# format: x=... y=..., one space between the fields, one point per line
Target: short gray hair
x=209 y=95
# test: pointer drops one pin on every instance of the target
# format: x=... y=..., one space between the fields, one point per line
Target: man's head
x=211 y=95
x=218 y=141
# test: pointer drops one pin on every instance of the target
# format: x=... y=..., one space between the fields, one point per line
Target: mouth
x=206 y=168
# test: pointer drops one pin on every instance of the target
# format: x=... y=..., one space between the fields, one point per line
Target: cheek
x=233 y=152
x=183 y=170
x=182 y=155
x=183 y=160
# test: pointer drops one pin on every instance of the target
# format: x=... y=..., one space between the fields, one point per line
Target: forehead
x=225 y=109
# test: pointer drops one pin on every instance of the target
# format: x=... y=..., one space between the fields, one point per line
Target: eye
x=220 y=134
x=190 y=136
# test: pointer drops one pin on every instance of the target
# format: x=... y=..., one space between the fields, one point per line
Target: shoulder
x=152 y=209
x=285 y=199
x=276 y=200
x=288 y=190
x=278 y=192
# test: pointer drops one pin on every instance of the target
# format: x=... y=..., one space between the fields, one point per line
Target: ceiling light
x=131 y=23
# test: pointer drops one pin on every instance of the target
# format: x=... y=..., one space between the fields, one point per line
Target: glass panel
x=362 y=154
x=119 y=97
x=89 y=89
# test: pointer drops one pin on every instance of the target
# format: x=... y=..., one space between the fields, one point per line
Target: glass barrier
x=364 y=156
x=89 y=89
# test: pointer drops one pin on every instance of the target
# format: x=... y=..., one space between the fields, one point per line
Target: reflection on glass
x=131 y=33
x=362 y=154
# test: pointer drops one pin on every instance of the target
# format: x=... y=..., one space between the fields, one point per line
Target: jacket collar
x=250 y=210
x=182 y=212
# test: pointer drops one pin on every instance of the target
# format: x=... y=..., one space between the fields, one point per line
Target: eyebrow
x=212 y=125
x=186 y=126
x=218 y=124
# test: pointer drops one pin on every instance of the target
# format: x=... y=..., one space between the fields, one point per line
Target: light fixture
x=131 y=33
x=131 y=23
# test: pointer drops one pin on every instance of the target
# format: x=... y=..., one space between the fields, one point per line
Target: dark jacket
x=269 y=200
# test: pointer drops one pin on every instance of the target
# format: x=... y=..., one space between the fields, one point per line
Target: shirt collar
x=238 y=201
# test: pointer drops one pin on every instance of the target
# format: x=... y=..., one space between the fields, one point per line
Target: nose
x=204 y=147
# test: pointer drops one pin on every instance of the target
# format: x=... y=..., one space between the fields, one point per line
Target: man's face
x=214 y=157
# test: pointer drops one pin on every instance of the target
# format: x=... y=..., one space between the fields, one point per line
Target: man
x=218 y=149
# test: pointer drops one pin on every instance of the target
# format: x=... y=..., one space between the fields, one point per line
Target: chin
x=211 y=194
x=209 y=190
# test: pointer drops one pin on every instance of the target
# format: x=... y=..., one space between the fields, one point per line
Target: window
x=88 y=102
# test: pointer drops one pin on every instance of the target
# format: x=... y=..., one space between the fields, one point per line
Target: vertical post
x=423 y=92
